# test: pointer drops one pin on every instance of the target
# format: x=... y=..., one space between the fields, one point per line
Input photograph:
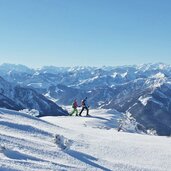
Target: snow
x=35 y=85
x=47 y=95
x=124 y=74
x=78 y=143
x=86 y=81
x=144 y=100
x=36 y=73
x=114 y=74
x=159 y=75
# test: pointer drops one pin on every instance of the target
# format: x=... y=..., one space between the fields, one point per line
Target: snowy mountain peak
x=15 y=67
x=159 y=75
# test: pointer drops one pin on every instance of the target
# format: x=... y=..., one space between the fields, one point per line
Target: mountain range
x=17 y=97
x=142 y=90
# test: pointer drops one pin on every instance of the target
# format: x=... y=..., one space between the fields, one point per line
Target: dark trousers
x=86 y=108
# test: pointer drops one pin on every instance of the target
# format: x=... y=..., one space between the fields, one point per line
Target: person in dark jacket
x=85 y=106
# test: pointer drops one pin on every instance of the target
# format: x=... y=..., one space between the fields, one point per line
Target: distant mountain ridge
x=142 y=90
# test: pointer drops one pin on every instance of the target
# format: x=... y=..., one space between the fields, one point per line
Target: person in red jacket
x=74 y=107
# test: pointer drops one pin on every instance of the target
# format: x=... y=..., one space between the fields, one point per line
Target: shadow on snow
x=86 y=159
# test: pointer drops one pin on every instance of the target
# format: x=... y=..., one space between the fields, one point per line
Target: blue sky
x=85 y=32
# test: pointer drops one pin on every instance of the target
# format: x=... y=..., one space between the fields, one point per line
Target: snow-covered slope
x=77 y=143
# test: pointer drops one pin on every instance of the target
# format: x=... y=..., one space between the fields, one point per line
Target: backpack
x=74 y=105
x=83 y=102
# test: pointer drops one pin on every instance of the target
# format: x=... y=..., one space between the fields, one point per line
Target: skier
x=84 y=106
x=74 y=106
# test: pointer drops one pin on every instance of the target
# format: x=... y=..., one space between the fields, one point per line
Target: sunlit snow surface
x=78 y=143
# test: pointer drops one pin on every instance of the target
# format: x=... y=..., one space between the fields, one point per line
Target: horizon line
x=83 y=66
